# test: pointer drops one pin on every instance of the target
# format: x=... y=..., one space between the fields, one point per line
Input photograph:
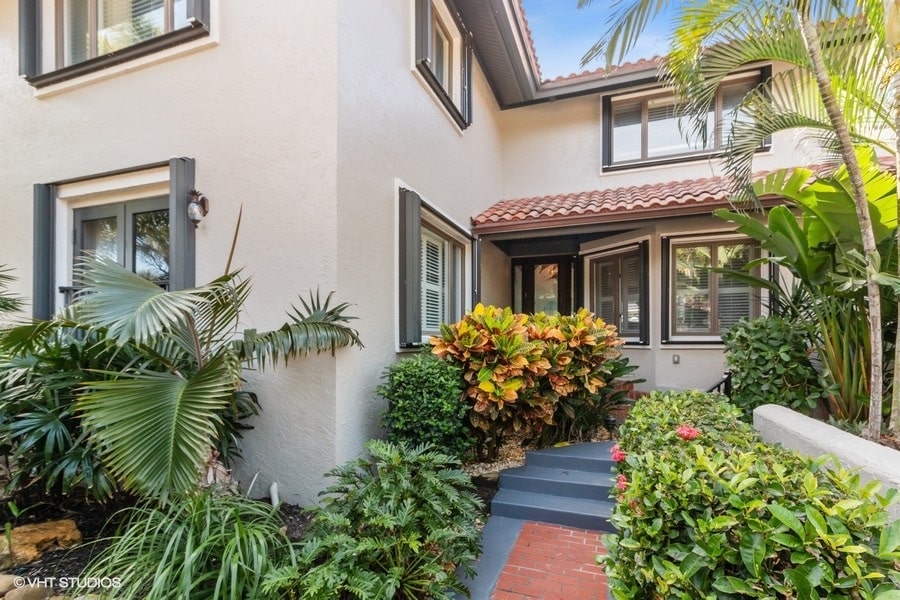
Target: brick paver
x=551 y=562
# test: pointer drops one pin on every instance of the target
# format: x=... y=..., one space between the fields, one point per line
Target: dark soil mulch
x=97 y=524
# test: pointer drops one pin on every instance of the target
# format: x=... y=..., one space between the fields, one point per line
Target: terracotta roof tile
x=626 y=203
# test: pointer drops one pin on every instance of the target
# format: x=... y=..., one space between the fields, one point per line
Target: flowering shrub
x=727 y=516
x=526 y=372
x=688 y=433
x=617 y=453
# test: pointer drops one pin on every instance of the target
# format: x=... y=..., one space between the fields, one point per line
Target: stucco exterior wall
x=392 y=132
x=259 y=117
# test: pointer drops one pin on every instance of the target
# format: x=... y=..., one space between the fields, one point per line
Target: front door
x=544 y=284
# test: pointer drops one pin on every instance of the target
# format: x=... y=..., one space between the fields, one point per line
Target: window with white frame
x=704 y=301
x=646 y=127
x=618 y=289
x=136 y=217
x=432 y=271
x=444 y=57
x=61 y=39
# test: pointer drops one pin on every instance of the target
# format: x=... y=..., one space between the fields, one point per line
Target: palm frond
x=629 y=20
x=8 y=302
x=128 y=306
x=156 y=428
x=317 y=326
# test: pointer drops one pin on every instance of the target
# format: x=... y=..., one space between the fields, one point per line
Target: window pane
x=664 y=135
x=434 y=282
x=604 y=276
x=100 y=237
x=735 y=298
x=546 y=288
x=692 y=289
x=76 y=32
x=441 y=57
x=181 y=16
x=732 y=95
x=123 y=23
x=151 y=245
x=517 y=288
x=631 y=295
x=626 y=141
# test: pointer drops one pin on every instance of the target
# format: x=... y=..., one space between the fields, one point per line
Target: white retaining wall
x=777 y=424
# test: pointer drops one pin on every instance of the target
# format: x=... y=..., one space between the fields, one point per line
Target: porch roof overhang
x=632 y=203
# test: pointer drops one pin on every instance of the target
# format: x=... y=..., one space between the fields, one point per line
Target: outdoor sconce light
x=198 y=207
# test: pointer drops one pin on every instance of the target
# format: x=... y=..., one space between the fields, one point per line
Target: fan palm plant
x=171 y=387
x=832 y=87
x=8 y=302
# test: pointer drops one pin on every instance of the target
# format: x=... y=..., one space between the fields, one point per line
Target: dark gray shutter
x=644 y=250
x=181 y=230
x=410 y=269
x=29 y=37
x=666 y=297
x=43 y=295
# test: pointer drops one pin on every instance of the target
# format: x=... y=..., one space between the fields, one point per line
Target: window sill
x=154 y=51
x=442 y=96
x=669 y=160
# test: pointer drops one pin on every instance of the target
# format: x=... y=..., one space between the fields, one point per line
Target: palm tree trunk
x=873 y=292
x=892 y=38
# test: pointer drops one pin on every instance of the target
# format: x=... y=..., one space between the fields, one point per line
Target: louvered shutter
x=434 y=282
x=631 y=295
x=735 y=297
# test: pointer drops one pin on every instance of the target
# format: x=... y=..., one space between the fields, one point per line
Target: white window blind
x=626 y=120
x=435 y=294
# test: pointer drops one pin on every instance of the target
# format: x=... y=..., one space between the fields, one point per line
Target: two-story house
x=404 y=153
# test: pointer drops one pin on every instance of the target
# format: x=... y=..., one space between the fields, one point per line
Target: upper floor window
x=644 y=128
x=444 y=57
x=62 y=39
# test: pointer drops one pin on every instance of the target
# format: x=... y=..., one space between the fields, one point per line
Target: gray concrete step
x=546 y=508
x=560 y=482
x=592 y=457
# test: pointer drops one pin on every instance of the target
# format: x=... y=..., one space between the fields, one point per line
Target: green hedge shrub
x=769 y=362
x=706 y=510
x=521 y=371
x=426 y=404
x=397 y=526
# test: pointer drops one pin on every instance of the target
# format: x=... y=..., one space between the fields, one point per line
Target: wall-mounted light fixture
x=198 y=207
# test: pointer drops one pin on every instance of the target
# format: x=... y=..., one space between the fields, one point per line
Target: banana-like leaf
x=155 y=429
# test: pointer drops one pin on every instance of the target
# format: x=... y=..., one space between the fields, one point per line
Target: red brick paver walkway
x=551 y=562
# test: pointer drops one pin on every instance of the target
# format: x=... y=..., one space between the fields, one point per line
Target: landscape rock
x=29 y=541
x=7 y=582
x=30 y=592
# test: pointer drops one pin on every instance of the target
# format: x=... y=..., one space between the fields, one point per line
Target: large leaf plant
x=163 y=386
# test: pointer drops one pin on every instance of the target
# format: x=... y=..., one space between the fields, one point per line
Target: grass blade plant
x=209 y=546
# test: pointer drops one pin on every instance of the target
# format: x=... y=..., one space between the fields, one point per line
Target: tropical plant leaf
x=156 y=428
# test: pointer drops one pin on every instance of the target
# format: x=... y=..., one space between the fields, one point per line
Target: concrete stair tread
x=566 y=475
x=594 y=456
x=573 y=512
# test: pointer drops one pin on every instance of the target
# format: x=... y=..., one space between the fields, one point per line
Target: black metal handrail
x=723 y=386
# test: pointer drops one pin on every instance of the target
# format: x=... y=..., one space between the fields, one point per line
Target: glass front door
x=545 y=284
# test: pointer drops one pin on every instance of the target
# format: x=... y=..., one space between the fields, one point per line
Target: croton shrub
x=706 y=510
x=521 y=371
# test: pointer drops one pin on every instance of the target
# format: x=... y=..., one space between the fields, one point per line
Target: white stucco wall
x=258 y=112
x=392 y=131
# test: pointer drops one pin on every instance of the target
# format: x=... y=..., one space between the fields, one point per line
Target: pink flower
x=622 y=483
x=617 y=453
x=686 y=432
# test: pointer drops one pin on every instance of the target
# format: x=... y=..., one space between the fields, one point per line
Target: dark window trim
x=764 y=73
x=642 y=249
x=712 y=238
x=181 y=232
x=30 y=58
x=462 y=115
x=411 y=224
x=569 y=285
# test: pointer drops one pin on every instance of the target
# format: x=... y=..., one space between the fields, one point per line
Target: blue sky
x=562 y=34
